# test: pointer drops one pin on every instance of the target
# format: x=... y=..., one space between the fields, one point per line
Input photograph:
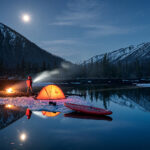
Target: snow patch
x=143 y=84
x=40 y=105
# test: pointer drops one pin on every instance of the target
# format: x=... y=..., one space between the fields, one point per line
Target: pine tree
x=119 y=70
x=23 y=66
x=137 y=69
x=105 y=66
x=44 y=66
x=1 y=67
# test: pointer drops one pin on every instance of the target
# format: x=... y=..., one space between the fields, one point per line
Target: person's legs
x=31 y=89
x=28 y=90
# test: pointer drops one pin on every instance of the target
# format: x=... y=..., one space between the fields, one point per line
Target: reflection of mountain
x=135 y=98
x=9 y=115
x=129 y=97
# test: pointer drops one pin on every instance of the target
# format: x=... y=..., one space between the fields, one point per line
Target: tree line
x=120 y=69
x=99 y=69
x=25 y=68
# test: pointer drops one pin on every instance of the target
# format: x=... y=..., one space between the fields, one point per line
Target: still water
x=127 y=128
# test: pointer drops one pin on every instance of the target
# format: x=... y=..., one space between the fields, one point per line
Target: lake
x=127 y=128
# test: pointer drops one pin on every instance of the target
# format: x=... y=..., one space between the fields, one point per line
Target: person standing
x=29 y=84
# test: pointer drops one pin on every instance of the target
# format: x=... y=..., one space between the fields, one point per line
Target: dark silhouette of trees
x=120 y=69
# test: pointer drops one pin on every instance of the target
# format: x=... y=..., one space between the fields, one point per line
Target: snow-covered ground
x=39 y=105
x=143 y=84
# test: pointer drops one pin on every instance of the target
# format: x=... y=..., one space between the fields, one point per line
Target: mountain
x=131 y=62
x=16 y=51
x=129 y=54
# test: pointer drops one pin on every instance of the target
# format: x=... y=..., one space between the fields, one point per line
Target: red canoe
x=88 y=109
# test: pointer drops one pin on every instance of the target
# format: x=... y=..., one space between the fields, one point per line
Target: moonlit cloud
x=74 y=54
x=89 y=19
x=65 y=48
x=106 y=30
x=79 y=13
x=56 y=42
x=87 y=14
x=62 y=23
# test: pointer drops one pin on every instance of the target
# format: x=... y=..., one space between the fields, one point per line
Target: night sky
x=79 y=29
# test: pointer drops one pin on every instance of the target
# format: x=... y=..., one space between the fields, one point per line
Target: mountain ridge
x=16 y=49
x=127 y=54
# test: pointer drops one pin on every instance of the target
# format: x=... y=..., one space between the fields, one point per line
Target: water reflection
x=129 y=128
x=8 y=106
x=128 y=97
x=23 y=137
x=45 y=114
x=50 y=114
x=85 y=116
x=9 y=114
x=28 y=113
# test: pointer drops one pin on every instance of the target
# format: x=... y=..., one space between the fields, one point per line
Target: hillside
x=17 y=52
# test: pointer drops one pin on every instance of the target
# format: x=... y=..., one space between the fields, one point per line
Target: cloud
x=62 y=23
x=57 y=42
x=105 y=30
x=85 y=20
x=72 y=54
x=78 y=13
x=88 y=14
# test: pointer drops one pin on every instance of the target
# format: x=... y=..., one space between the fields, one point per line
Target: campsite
x=74 y=75
x=27 y=117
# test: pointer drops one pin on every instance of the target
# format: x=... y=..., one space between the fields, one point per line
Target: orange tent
x=50 y=114
x=52 y=92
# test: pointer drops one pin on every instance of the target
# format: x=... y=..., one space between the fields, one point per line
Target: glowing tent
x=52 y=92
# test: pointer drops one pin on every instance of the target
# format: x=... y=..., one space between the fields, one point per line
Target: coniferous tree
x=23 y=66
x=137 y=69
x=105 y=66
x=44 y=66
x=1 y=67
x=119 y=69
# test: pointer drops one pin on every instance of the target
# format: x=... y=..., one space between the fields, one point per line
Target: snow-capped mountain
x=130 y=100
x=15 y=49
x=129 y=54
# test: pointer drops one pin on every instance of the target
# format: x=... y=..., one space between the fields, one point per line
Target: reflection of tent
x=51 y=92
x=50 y=114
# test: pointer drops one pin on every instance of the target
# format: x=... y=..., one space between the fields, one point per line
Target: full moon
x=26 y=18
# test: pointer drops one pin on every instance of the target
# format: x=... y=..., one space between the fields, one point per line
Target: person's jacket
x=29 y=82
